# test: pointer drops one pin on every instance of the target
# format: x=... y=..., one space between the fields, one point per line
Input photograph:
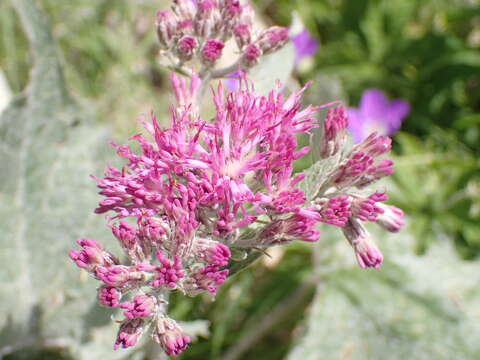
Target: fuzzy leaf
x=413 y=308
x=316 y=175
x=272 y=68
x=48 y=149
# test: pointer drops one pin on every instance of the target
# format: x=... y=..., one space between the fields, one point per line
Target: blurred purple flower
x=305 y=45
x=232 y=81
x=376 y=113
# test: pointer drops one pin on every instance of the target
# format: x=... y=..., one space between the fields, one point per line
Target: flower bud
x=251 y=56
x=186 y=47
x=109 y=296
x=209 y=278
x=170 y=336
x=392 y=218
x=211 y=252
x=118 y=275
x=375 y=145
x=185 y=9
x=367 y=209
x=129 y=240
x=166 y=27
x=243 y=35
x=231 y=9
x=300 y=226
x=153 y=231
x=129 y=333
x=334 y=131
x=273 y=39
x=141 y=306
x=211 y=52
x=168 y=273
x=207 y=20
x=92 y=255
x=366 y=252
x=334 y=211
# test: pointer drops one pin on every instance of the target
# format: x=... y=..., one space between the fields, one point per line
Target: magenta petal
x=356 y=125
x=373 y=104
x=305 y=45
x=396 y=112
x=376 y=113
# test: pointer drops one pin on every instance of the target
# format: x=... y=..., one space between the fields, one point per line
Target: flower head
x=366 y=252
x=141 y=306
x=129 y=333
x=200 y=186
x=109 y=296
x=92 y=255
x=170 y=336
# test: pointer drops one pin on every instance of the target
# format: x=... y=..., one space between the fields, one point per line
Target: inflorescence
x=197 y=186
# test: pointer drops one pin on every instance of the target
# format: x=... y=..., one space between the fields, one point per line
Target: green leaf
x=316 y=175
x=272 y=68
x=48 y=149
x=413 y=308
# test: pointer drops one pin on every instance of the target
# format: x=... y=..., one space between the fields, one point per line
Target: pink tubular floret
x=109 y=296
x=168 y=273
x=334 y=131
x=335 y=211
x=129 y=333
x=210 y=278
x=366 y=252
x=171 y=337
x=141 y=306
x=91 y=256
x=118 y=275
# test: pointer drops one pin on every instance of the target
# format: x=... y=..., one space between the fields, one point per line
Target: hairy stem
x=220 y=73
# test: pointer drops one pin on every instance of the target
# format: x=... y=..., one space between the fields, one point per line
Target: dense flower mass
x=198 y=188
x=199 y=183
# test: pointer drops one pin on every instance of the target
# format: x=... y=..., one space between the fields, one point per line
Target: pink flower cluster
x=198 y=184
x=199 y=29
x=198 y=188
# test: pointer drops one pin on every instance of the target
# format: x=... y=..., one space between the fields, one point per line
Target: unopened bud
x=170 y=336
x=166 y=27
x=392 y=219
x=207 y=19
x=243 y=35
x=185 y=9
x=109 y=296
x=251 y=56
x=129 y=333
x=140 y=306
x=119 y=275
x=186 y=48
x=211 y=252
x=211 y=52
x=334 y=131
x=366 y=252
x=209 y=278
x=273 y=39
x=232 y=9
x=92 y=255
